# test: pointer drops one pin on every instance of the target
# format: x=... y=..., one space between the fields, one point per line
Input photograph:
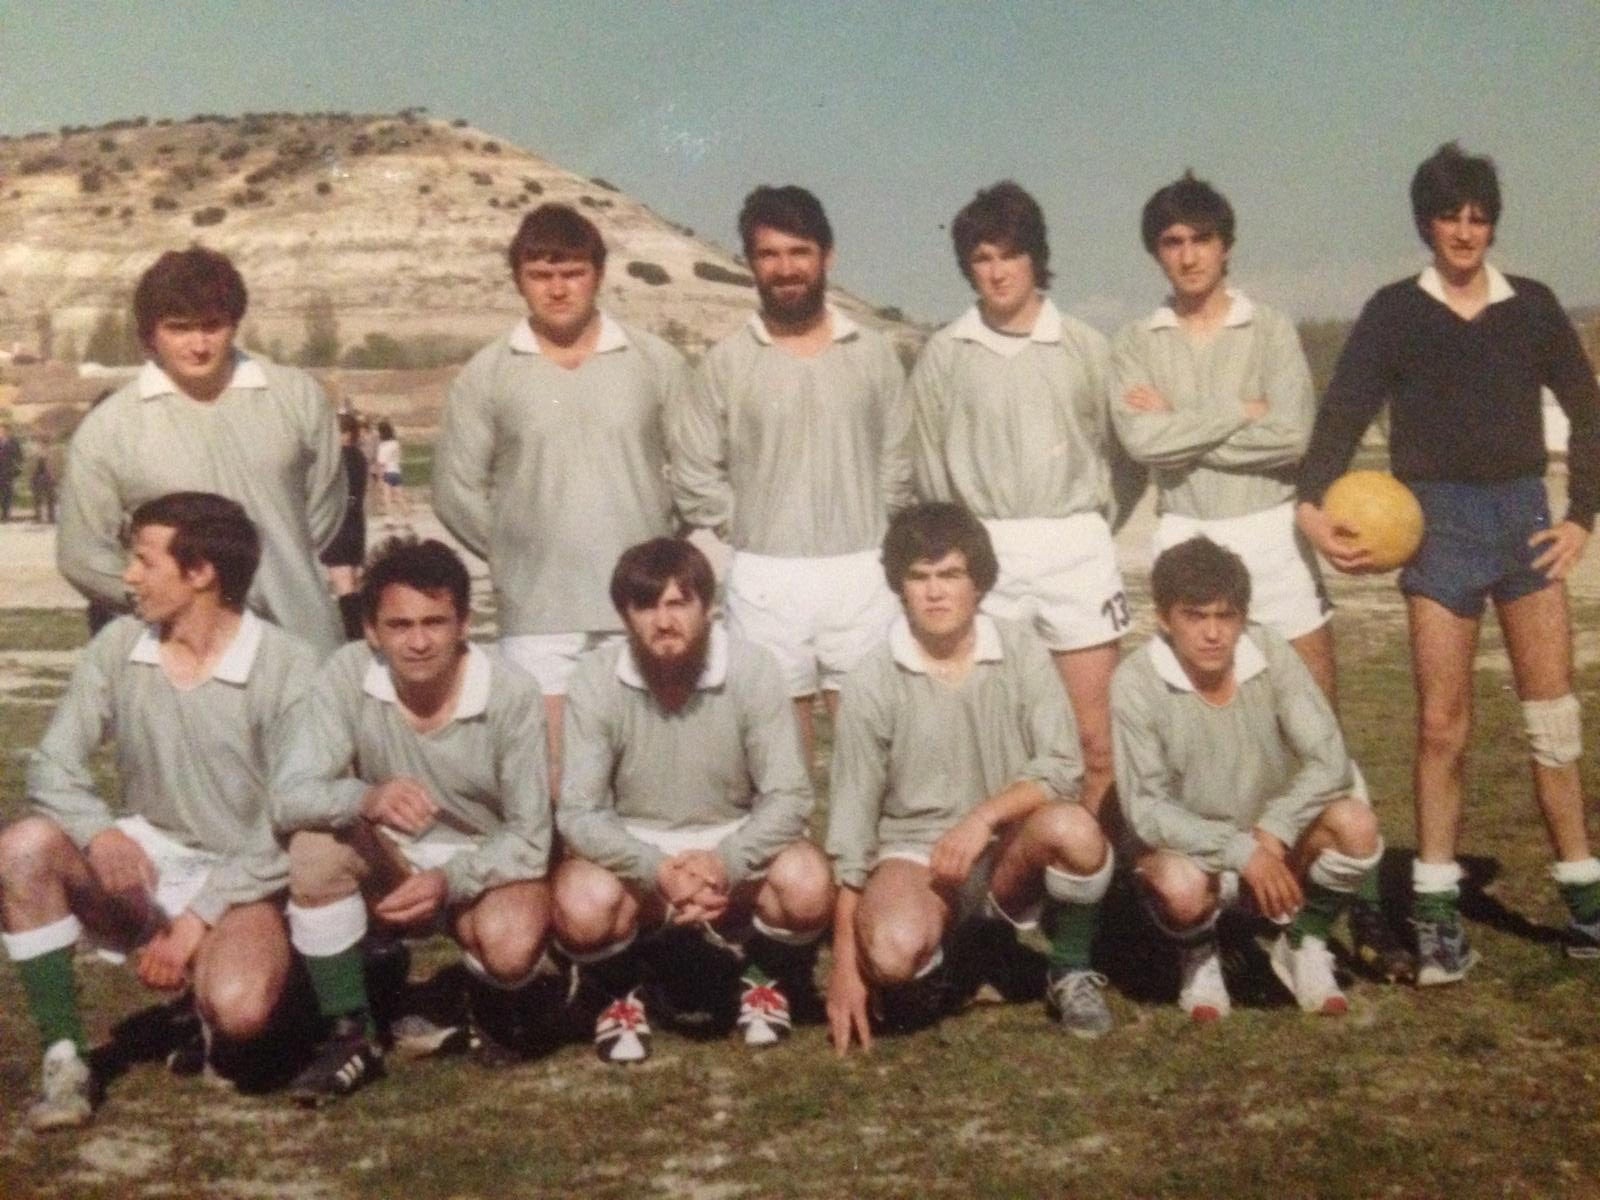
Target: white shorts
x=552 y=657
x=424 y=855
x=1060 y=574
x=819 y=616
x=677 y=841
x=181 y=872
x=1286 y=591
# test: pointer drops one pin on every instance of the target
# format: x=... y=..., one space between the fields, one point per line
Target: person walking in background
x=46 y=475
x=343 y=556
x=10 y=468
x=390 y=485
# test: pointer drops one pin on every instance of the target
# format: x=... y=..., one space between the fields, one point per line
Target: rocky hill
x=344 y=226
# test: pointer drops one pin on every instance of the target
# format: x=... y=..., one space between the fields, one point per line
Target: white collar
x=970 y=327
x=153 y=381
x=839 y=325
x=1499 y=286
x=612 y=337
x=1240 y=312
x=472 y=702
x=235 y=663
x=714 y=674
x=905 y=650
x=1248 y=662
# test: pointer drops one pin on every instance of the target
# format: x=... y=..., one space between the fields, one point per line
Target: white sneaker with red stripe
x=622 y=1032
x=763 y=1012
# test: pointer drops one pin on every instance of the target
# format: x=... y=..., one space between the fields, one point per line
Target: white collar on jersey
x=1240 y=312
x=840 y=326
x=474 y=698
x=1248 y=662
x=713 y=674
x=612 y=337
x=1499 y=286
x=905 y=650
x=153 y=381
x=234 y=665
x=970 y=327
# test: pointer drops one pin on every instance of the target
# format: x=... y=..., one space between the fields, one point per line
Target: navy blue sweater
x=1463 y=395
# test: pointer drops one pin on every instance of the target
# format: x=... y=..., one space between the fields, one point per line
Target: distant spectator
x=10 y=468
x=343 y=556
x=391 y=489
x=46 y=474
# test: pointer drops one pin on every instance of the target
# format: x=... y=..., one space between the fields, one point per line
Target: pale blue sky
x=1311 y=117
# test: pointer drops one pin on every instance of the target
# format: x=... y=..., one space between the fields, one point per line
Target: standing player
x=1232 y=771
x=685 y=802
x=794 y=445
x=552 y=455
x=1213 y=393
x=414 y=784
x=1459 y=354
x=955 y=784
x=1011 y=421
x=203 y=415
x=193 y=693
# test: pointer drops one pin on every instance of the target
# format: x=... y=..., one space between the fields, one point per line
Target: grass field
x=1486 y=1089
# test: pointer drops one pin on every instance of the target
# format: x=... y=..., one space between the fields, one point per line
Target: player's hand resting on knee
x=950 y=861
x=415 y=900
x=164 y=960
x=401 y=803
x=1272 y=884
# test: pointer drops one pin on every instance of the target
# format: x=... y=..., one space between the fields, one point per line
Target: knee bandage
x=1555 y=730
x=1339 y=872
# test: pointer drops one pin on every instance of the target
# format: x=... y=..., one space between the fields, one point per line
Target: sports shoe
x=1202 y=991
x=415 y=1036
x=66 y=1090
x=1307 y=971
x=1075 y=998
x=622 y=1033
x=1377 y=949
x=1581 y=939
x=346 y=1062
x=917 y=1004
x=763 y=1012
x=1443 y=953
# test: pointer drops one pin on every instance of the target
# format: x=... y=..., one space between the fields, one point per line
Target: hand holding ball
x=1374 y=511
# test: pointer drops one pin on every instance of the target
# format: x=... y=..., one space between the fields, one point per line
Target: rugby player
x=685 y=803
x=955 y=789
x=1012 y=422
x=551 y=456
x=202 y=415
x=1233 y=776
x=1459 y=353
x=794 y=446
x=1213 y=394
x=413 y=787
x=183 y=872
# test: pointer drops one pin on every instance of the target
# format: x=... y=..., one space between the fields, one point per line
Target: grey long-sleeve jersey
x=1197 y=778
x=485 y=769
x=269 y=442
x=731 y=753
x=195 y=762
x=1209 y=460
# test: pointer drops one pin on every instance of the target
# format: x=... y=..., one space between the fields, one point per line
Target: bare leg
x=797 y=894
x=1539 y=641
x=808 y=732
x=554 y=707
x=1064 y=836
x=1087 y=676
x=899 y=922
x=1316 y=651
x=1185 y=893
x=240 y=969
x=592 y=908
x=505 y=928
x=1442 y=649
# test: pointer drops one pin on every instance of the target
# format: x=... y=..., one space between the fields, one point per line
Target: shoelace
x=625 y=1014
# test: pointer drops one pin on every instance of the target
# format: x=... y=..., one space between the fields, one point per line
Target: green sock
x=52 y=997
x=1583 y=900
x=753 y=974
x=341 y=985
x=1367 y=891
x=1318 y=913
x=1070 y=929
x=1439 y=907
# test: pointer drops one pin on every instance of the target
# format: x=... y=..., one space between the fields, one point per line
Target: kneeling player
x=1231 y=769
x=192 y=692
x=414 y=785
x=684 y=800
x=956 y=777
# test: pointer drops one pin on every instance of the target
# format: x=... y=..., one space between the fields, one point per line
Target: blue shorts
x=1475 y=543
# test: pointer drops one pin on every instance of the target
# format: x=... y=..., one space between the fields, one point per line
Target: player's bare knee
x=1071 y=837
x=30 y=852
x=1554 y=729
x=1181 y=891
x=322 y=869
x=1354 y=827
x=1442 y=732
x=894 y=950
x=237 y=1005
x=589 y=903
x=799 y=890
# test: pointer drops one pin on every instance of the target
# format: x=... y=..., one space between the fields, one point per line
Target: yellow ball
x=1382 y=512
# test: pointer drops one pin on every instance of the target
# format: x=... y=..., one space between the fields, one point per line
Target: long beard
x=671 y=680
x=798 y=311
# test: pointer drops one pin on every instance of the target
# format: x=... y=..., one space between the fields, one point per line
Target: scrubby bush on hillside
x=211 y=214
x=533 y=187
x=890 y=312
x=235 y=150
x=114 y=340
x=652 y=273
x=593 y=202
x=713 y=273
x=91 y=181
x=481 y=178
x=604 y=183
x=324 y=187
x=321 y=347
x=163 y=203
x=381 y=352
